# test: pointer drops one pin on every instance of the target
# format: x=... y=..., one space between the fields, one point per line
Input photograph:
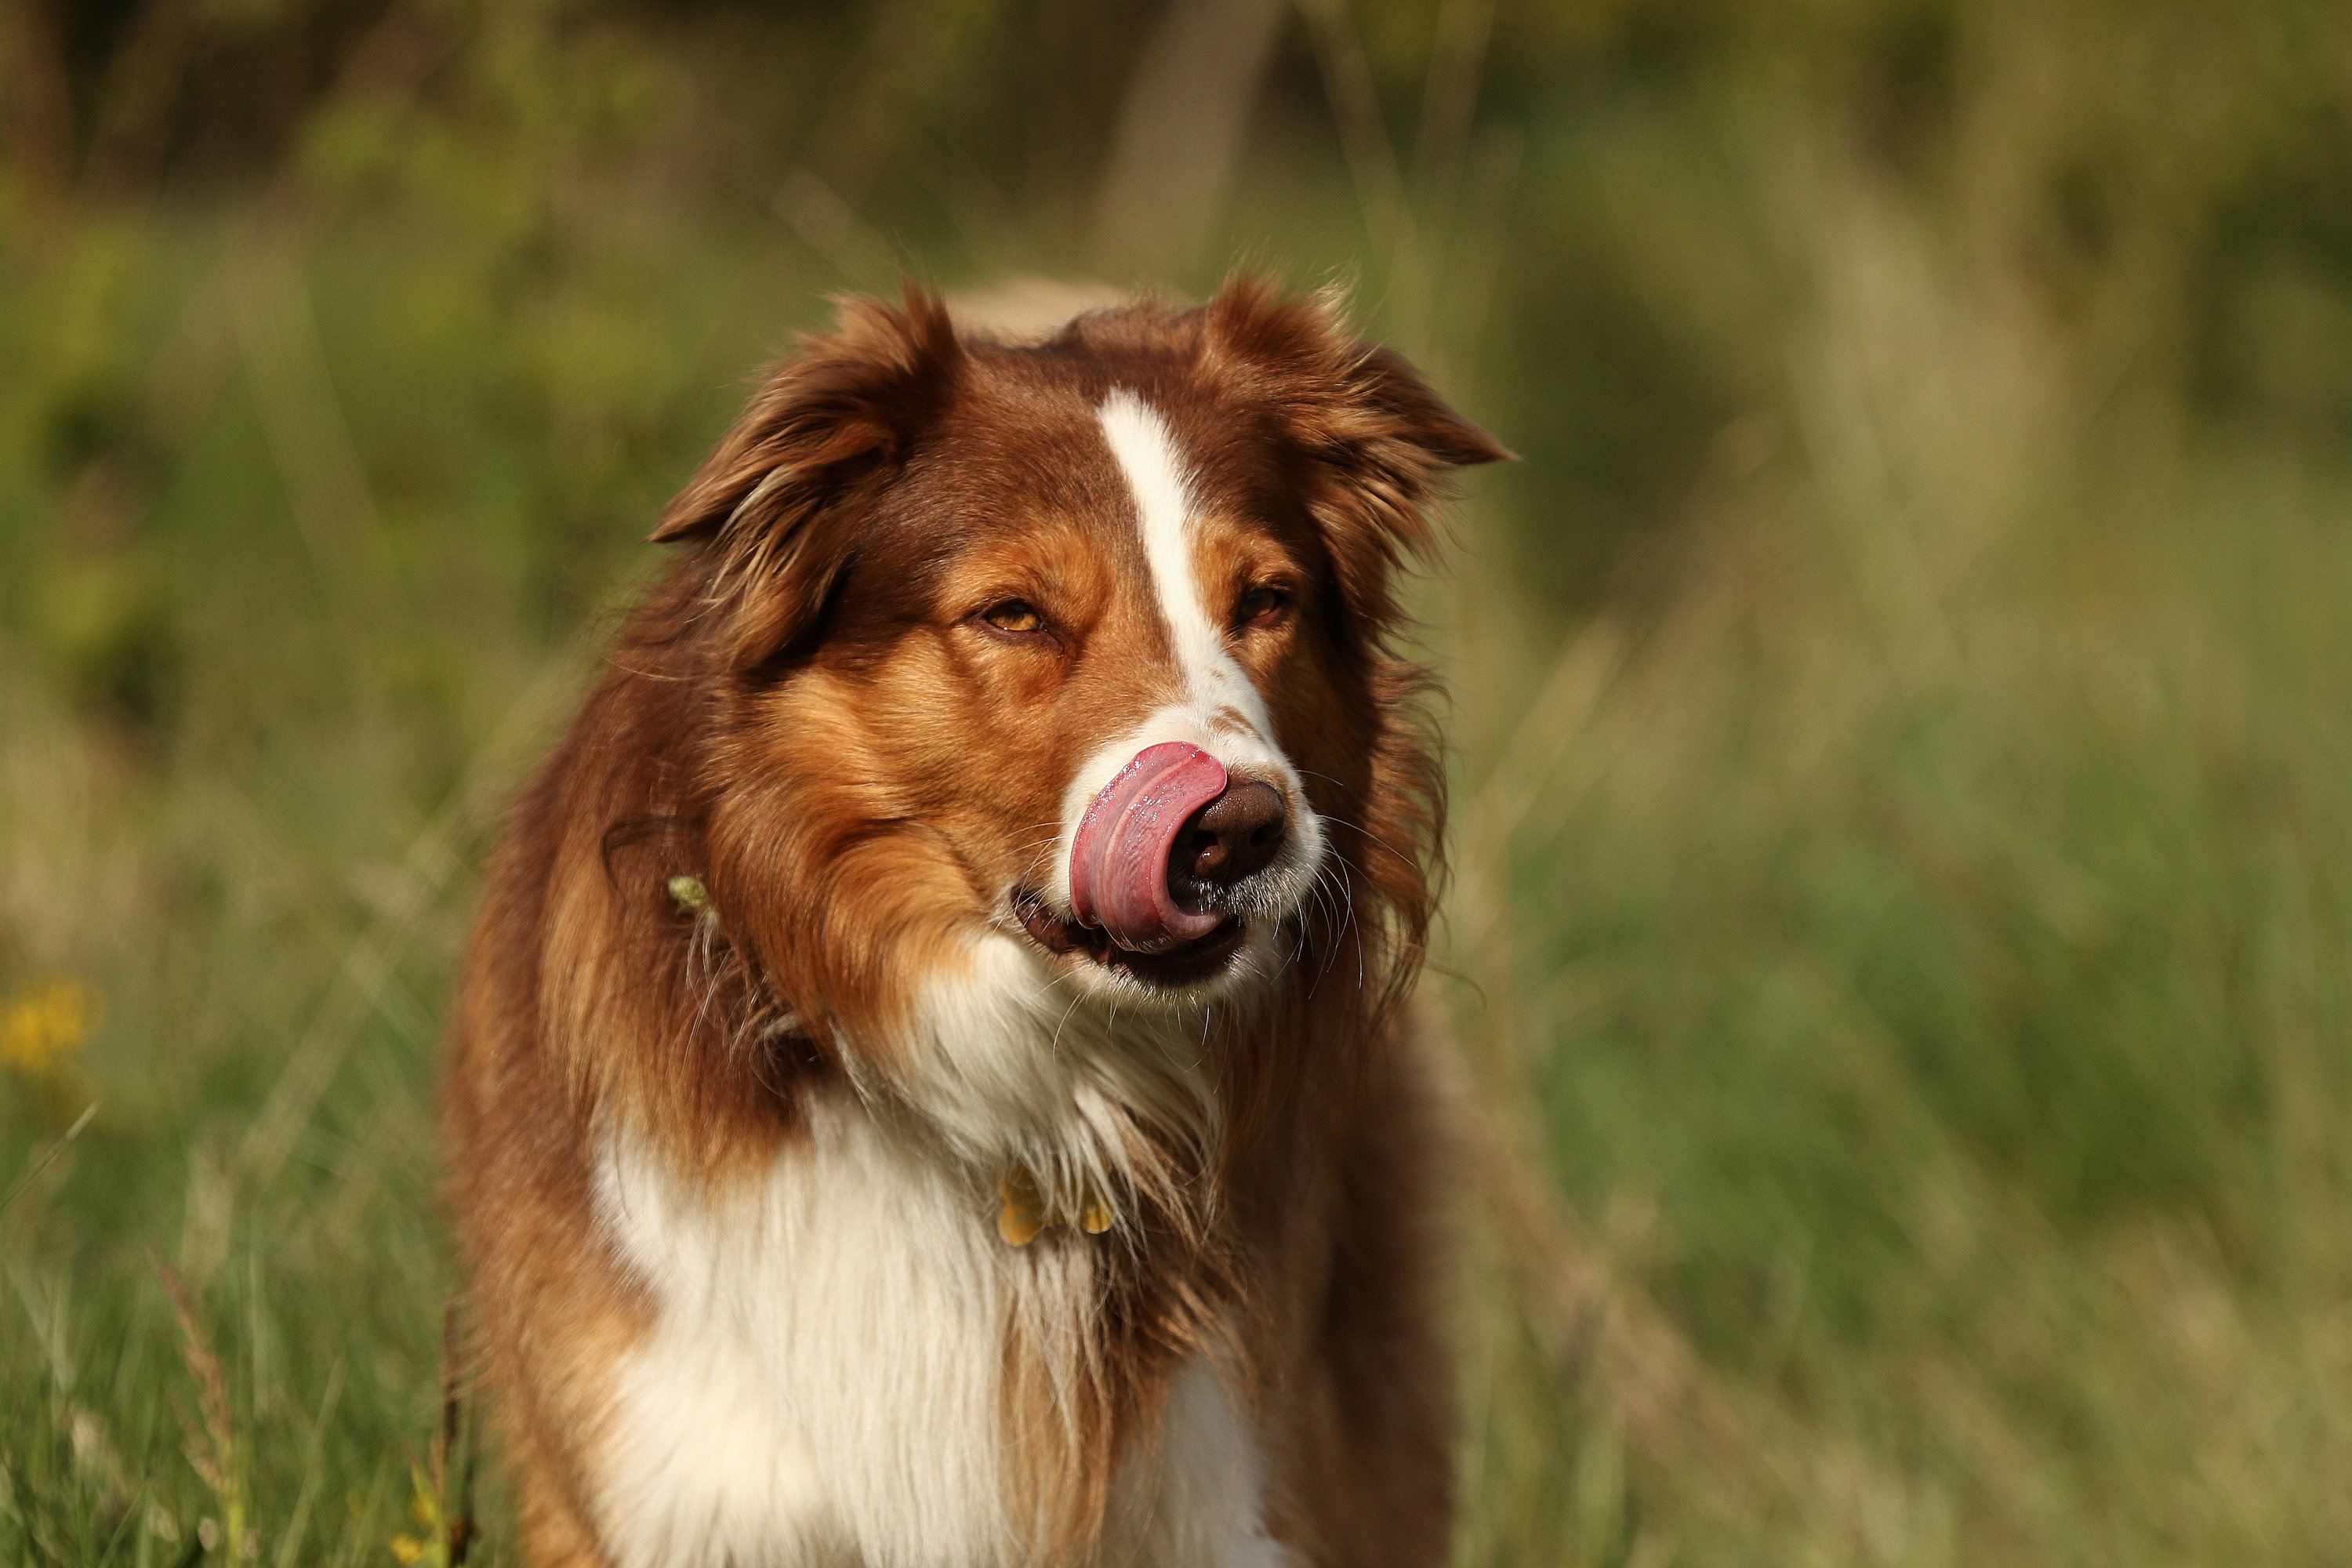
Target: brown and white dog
x=925 y=1086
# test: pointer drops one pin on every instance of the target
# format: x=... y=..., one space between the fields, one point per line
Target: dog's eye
x=1261 y=606
x=1013 y=615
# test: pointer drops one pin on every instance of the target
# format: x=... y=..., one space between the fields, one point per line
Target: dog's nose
x=1235 y=834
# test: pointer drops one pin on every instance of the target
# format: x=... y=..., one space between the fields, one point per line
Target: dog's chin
x=1210 y=965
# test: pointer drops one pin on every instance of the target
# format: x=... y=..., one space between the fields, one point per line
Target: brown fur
x=790 y=718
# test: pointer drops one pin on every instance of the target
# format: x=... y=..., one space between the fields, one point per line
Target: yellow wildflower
x=44 y=1023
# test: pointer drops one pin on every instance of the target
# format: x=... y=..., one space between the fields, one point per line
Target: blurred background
x=1896 y=962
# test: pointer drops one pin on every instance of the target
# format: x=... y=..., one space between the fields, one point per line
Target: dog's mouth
x=1188 y=964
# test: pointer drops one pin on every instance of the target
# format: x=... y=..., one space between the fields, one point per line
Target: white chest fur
x=822 y=1383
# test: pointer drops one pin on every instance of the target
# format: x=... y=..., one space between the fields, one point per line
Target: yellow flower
x=43 y=1023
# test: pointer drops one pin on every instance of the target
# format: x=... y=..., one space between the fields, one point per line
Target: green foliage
x=1903 y=875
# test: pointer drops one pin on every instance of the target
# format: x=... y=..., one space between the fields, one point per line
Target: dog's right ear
x=773 y=501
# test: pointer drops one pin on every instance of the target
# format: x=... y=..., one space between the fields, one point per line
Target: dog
x=928 y=1084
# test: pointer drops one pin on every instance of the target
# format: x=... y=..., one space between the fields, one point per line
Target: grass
x=1897 y=955
x=1947 y=1030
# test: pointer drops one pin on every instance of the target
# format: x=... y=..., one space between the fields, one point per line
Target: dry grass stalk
x=441 y=1504
x=208 y=1438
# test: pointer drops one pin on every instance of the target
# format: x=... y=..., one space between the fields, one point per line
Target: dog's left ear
x=1377 y=443
x=779 y=499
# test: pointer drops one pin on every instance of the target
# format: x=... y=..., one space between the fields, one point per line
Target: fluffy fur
x=725 y=1168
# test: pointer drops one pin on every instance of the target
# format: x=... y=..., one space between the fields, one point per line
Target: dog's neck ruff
x=1073 y=1160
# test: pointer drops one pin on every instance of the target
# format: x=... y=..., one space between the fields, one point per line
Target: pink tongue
x=1119 y=861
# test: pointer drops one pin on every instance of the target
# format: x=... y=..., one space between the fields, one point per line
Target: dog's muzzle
x=1170 y=834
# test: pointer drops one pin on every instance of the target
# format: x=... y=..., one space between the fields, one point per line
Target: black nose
x=1239 y=832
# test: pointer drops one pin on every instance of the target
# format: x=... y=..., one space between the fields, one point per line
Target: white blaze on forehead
x=1165 y=508
x=1216 y=706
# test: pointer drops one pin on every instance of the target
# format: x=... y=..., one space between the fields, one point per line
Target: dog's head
x=1054 y=678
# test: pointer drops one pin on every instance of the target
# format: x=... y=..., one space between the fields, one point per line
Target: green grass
x=1944 y=1020
x=1898 y=949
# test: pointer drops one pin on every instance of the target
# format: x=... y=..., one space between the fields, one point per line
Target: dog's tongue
x=1118 y=860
